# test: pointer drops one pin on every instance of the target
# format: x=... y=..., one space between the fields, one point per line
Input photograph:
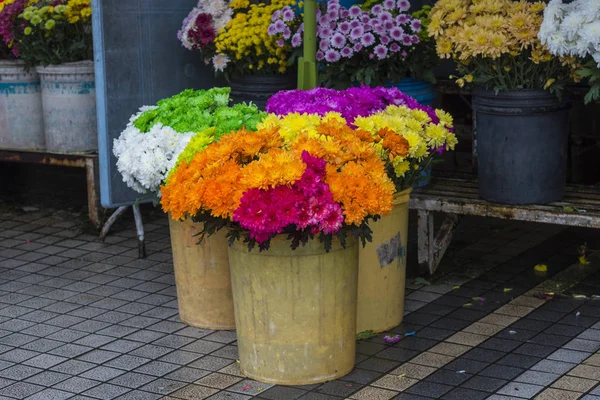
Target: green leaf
x=365 y=335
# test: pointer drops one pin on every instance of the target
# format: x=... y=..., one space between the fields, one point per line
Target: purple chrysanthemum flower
x=354 y=23
x=301 y=28
x=389 y=25
x=345 y=28
x=389 y=4
x=276 y=15
x=415 y=24
x=333 y=15
x=365 y=19
x=396 y=33
x=404 y=53
x=320 y=55
x=296 y=40
x=384 y=16
x=279 y=26
x=402 y=18
x=347 y=52
x=338 y=40
x=394 y=48
x=379 y=29
x=381 y=51
x=406 y=39
x=344 y=13
x=414 y=39
x=288 y=13
x=368 y=39
x=287 y=33
x=280 y=43
x=271 y=30
x=333 y=6
x=355 y=11
x=356 y=33
x=403 y=5
x=358 y=47
x=332 y=56
x=324 y=20
x=324 y=44
x=377 y=9
x=385 y=40
x=326 y=32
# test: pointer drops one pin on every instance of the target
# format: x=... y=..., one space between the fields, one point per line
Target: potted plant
x=355 y=46
x=155 y=141
x=304 y=200
x=408 y=136
x=233 y=38
x=21 y=123
x=521 y=120
x=56 y=39
x=569 y=30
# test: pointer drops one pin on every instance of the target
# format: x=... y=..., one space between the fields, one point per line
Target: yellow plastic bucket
x=202 y=277
x=382 y=270
x=295 y=311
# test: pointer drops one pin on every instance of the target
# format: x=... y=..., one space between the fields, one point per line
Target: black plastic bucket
x=522 y=140
x=258 y=89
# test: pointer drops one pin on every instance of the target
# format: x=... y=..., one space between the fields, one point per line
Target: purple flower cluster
x=8 y=24
x=343 y=33
x=351 y=103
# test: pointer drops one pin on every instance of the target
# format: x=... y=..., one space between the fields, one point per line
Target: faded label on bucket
x=387 y=252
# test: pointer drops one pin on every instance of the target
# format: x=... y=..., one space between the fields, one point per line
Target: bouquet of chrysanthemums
x=355 y=45
x=573 y=29
x=151 y=144
x=9 y=25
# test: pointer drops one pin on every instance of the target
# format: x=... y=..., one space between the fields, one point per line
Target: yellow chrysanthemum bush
x=244 y=46
x=55 y=32
x=496 y=46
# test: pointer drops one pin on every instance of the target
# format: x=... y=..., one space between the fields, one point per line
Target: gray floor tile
x=553 y=366
x=51 y=394
x=571 y=356
x=522 y=390
x=132 y=380
x=76 y=384
x=102 y=373
x=163 y=386
x=106 y=391
x=537 y=378
x=48 y=378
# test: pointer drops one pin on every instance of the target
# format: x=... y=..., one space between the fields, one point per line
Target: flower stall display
x=522 y=122
x=233 y=38
x=157 y=139
x=370 y=47
x=21 y=123
x=407 y=137
x=55 y=37
x=304 y=199
x=573 y=30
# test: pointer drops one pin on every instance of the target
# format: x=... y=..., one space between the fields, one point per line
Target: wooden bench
x=455 y=197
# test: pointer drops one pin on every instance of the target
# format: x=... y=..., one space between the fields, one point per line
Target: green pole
x=307 y=65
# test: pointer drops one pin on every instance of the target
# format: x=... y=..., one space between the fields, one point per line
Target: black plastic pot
x=258 y=89
x=522 y=140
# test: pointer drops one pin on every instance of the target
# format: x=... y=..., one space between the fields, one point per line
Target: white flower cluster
x=145 y=159
x=572 y=29
x=219 y=11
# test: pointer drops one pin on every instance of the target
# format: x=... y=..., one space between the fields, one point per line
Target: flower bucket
x=21 y=119
x=295 y=311
x=202 y=277
x=522 y=140
x=382 y=270
x=425 y=175
x=418 y=89
x=69 y=102
x=258 y=89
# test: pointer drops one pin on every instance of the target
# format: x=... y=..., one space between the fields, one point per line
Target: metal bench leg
x=111 y=220
x=91 y=172
x=140 y=231
x=433 y=247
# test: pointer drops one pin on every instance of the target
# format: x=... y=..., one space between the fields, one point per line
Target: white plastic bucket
x=69 y=102
x=21 y=119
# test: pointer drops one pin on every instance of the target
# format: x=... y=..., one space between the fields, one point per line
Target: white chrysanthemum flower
x=145 y=159
x=590 y=33
x=220 y=62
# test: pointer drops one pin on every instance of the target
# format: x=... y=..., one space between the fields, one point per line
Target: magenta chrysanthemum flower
x=332 y=56
x=403 y=5
x=396 y=33
x=347 y=52
x=381 y=51
x=338 y=40
x=415 y=24
x=355 y=11
x=334 y=220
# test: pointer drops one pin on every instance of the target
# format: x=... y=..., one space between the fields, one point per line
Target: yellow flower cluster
x=295 y=124
x=245 y=38
x=488 y=28
x=78 y=10
x=416 y=128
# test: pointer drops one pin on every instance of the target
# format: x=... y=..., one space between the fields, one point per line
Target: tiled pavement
x=80 y=319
